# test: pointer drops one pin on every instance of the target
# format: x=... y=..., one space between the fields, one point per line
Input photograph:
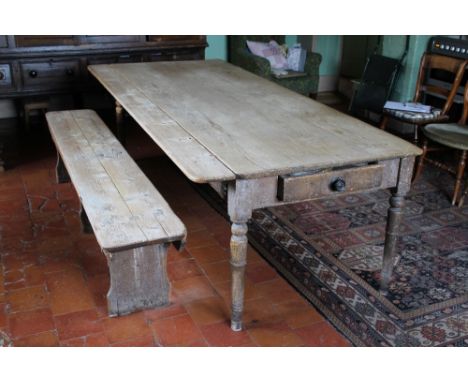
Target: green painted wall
x=393 y=46
x=330 y=49
x=217 y=47
x=290 y=40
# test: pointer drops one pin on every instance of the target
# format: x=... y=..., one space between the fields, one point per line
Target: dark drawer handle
x=32 y=74
x=70 y=72
x=338 y=185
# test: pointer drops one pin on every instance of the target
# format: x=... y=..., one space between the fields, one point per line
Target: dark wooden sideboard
x=34 y=66
x=44 y=65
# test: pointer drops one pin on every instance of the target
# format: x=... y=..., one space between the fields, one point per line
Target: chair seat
x=448 y=134
x=415 y=117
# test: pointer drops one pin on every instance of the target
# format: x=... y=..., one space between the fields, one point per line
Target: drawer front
x=114 y=59
x=43 y=40
x=310 y=186
x=50 y=74
x=6 y=80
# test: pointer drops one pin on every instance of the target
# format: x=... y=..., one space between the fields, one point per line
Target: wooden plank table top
x=219 y=122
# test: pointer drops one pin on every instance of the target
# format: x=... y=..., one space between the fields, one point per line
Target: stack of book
x=408 y=106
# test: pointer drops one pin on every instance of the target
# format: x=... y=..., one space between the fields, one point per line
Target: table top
x=219 y=122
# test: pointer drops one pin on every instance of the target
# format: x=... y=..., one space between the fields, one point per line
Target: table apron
x=264 y=191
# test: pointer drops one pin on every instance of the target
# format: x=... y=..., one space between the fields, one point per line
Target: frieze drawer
x=51 y=74
x=309 y=186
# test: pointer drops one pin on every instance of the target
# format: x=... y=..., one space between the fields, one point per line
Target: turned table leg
x=395 y=214
x=119 y=121
x=61 y=172
x=240 y=211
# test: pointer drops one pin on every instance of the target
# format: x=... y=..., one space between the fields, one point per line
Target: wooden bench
x=132 y=222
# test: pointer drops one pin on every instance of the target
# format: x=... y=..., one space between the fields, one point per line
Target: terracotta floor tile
x=275 y=335
x=23 y=324
x=192 y=223
x=3 y=315
x=259 y=313
x=25 y=299
x=46 y=339
x=136 y=342
x=14 y=276
x=200 y=239
x=218 y=272
x=260 y=272
x=77 y=324
x=93 y=340
x=58 y=263
x=298 y=314
x=173 y=255
x=11 y=263
x=96 y=340
x=171 y=310
x=209 y=254
x=192 y=288
x=208 y=311
x=183 y=269
x=176 y=331
x=16 y=285
x=34 y=275
x=124 y=328
x=69 y=292
x=321 y=334
x=220 y=334
x=279 y=291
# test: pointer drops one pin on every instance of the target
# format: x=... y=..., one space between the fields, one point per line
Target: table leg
x=240 y=211
x=119 y=113
x=395 y=214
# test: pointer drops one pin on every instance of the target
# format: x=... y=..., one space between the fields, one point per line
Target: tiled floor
x=53 y=278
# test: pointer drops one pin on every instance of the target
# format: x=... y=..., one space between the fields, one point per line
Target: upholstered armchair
x=240 y=55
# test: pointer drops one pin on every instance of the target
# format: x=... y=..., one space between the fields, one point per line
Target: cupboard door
x=177 y=38
x=3 y=42
x=43 y=40
x=108 y=39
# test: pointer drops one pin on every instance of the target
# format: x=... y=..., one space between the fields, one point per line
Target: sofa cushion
x=271 y=51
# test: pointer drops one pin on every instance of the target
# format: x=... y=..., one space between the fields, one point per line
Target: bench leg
x=60 y=171
x=138 y=279
x=85 y=223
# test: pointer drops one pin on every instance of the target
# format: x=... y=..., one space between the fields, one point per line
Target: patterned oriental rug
x=331 y=251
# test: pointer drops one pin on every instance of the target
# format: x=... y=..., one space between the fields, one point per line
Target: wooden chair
x=452 y=135
x=424 y=86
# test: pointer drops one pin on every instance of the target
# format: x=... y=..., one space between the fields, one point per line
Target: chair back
x=429 y=62
x=464 y=116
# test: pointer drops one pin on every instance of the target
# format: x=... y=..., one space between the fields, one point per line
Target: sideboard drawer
x=6 y=79
x=53 y=74
x=305 y=186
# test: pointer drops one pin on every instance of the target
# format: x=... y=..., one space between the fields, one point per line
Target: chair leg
x=421 y=159
x=416 y=135
x=460 y=171
x=462 y=198
x=383 y=123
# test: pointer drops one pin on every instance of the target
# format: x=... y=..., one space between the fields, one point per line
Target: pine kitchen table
x=258 y=144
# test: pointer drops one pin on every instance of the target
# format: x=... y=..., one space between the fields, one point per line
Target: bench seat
x=132 y=222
